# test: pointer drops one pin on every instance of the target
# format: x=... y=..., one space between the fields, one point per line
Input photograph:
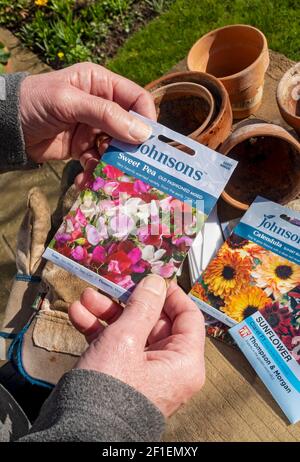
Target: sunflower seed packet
x=253 y=285
x=141 y=211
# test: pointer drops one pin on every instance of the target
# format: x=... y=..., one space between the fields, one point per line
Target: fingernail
x=155 y=284
x=139 y=130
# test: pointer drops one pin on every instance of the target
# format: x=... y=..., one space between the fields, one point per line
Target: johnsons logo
x=271 y=225
x=171 y=162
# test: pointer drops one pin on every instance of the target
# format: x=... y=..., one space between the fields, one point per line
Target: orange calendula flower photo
x=199 y=292
x=245 y=303
x=227 y=273
x=243 y=246
x=276 y=275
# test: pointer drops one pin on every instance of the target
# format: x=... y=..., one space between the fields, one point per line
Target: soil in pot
x=268 y=166
x=184 y=114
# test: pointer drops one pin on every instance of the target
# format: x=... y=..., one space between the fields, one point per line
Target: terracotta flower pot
x=288 y=97
x=269 y=165
x=220 y=125
x=184 y=107
x=238 y=55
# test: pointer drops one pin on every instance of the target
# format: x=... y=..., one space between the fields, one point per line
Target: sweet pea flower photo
x=123 y=229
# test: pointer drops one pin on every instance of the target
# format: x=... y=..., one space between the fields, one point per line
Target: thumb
x=143 y=308
x=108 y=116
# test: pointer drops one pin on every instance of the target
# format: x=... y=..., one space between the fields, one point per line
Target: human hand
x=63 y=112
x=155 y=344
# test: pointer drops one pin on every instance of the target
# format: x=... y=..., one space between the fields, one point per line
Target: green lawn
x=64 y=32
x=167 y=39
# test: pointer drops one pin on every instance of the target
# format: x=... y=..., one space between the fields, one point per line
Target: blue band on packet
x=272 y=361
x=141 y=211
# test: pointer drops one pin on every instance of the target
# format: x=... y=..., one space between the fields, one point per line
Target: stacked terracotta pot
x=225 y=80
x=207 y=119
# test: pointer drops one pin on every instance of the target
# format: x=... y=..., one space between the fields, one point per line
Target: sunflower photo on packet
x=253 y=286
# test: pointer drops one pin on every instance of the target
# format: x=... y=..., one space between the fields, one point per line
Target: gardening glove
x=63 y=287
x=33 y=234
x=31 y=240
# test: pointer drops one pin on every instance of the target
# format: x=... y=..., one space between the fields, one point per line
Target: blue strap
x=16 y=340
x=7 y=335
x=27 y=278
x=14 y=355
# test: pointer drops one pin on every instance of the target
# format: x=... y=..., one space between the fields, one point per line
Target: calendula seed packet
x=253 y=285
x=141 y=211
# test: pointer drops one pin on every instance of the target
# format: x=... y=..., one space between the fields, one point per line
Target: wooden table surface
x=234 y=405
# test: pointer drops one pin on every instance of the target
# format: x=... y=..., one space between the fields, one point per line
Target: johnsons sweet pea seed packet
x=253 y=284
x=141 y=211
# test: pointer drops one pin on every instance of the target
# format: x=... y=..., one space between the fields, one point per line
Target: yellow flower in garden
x=41 y=2
x=60 y=54
x=199 y=292
x=227 y=273
x=245 y=303
x=276 y=275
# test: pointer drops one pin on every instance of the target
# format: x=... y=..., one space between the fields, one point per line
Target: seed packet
x=258 y=264
x=217 y=330
x=253 y=284
x=205 y=246
x=141 y=212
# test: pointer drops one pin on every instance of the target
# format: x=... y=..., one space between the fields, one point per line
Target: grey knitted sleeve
x=12 y=146
x=90 y=406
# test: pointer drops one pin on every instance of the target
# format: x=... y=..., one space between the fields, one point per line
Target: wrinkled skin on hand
x=63 y=112
x=155 y=344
